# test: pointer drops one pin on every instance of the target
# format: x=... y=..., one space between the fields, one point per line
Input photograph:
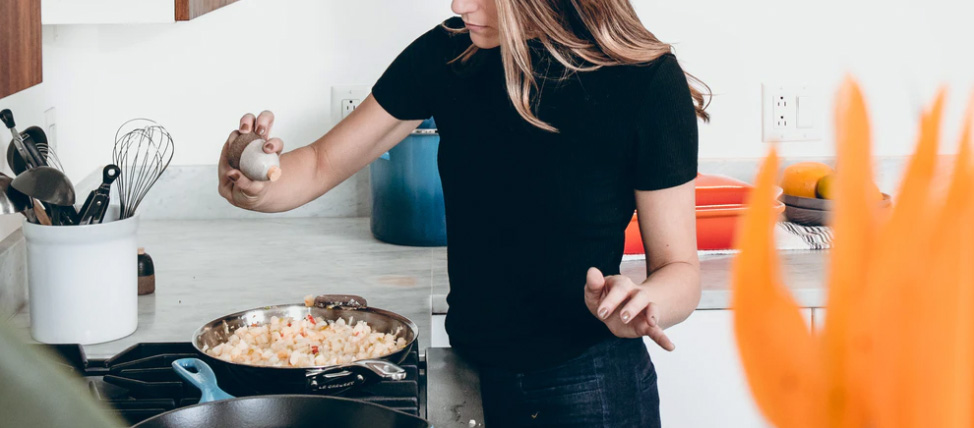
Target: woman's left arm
x=670 y=293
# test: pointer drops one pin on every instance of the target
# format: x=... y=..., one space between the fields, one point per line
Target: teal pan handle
x=200 y=375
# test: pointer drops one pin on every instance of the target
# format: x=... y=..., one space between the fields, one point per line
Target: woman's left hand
x=625 y=307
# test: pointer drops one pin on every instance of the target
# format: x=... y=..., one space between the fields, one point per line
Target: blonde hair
x=582 y=35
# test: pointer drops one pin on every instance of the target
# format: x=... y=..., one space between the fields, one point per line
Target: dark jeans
x=612 y=384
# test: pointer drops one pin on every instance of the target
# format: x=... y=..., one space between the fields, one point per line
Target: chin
x=484 y=42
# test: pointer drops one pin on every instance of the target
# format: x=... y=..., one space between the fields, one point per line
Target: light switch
x=806 y=115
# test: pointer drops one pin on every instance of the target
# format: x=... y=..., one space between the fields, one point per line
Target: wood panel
x=189 y=9
x=20 y=45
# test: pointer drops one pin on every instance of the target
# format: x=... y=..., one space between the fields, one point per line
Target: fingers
x=620 y=288
x=594 y=287
x=244 y=185
x=274 y=145
x=224 y=184
x=660 y=338
x=264 y=123
x=639 y=303
x=225 y=188
x=594 y=282
x=247 y=123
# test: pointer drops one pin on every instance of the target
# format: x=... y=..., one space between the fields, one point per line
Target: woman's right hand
x=235 y=187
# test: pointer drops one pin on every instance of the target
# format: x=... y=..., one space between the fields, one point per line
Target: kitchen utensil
x=93 y=210
x=716 y=225
x=42 y=217
x=11 y=201
x=82 y=281
x=318 y=379
x=38 y=138
x=712 y=189
x=143 y=154
x=28 y=152
x=147 y=273
x=272 y=410
x=45 y=184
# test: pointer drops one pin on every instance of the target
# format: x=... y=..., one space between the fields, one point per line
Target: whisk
x=142 y=154
x=52 y=158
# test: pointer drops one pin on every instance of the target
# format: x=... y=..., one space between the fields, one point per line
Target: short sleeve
x=666 y=131
x=405 y=89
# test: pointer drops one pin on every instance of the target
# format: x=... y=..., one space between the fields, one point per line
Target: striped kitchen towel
x=797 y=237
x=788 y=236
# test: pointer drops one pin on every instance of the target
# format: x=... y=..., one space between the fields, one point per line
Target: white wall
x=197 y=78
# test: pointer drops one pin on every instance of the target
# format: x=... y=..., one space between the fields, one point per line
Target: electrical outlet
x=790 y=113
x=784 y=111
x=345 y=99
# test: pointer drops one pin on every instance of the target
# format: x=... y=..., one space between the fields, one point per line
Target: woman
x=557 y=119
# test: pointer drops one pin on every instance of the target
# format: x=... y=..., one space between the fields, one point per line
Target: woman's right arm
x=310 y=171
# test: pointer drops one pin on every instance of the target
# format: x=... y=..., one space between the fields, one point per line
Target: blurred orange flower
x=897 y=349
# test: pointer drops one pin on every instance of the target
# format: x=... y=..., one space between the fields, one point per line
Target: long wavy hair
x=582 y=35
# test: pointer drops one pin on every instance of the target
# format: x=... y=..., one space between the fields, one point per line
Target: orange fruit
x=800 y=179
x=824 y=187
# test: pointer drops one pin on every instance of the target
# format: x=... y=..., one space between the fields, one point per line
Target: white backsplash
x=190 y=193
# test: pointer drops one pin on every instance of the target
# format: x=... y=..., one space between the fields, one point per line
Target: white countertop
x=209 y=268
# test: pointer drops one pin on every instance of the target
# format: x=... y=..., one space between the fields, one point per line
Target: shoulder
x=443 y=39
x=664 y=82
x=668 y=68
x=664 y=71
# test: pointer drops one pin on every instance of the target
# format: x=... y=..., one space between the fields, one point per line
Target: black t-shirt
x=529 y=211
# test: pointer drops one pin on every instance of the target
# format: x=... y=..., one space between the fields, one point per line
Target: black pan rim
x=279 y=396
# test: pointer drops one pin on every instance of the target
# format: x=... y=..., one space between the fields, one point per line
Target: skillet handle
x=340 y=300
x=200 y=375
x=339 y=378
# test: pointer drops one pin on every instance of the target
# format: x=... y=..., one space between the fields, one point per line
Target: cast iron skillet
x=266 y=411
x=323 y=380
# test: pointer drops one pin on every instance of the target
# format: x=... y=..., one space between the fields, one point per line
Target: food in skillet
x=307 y=342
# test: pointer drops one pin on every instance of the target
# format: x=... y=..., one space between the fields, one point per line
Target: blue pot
x=407 y=195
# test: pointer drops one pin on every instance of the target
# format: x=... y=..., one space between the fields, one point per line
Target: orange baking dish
x=716 y=223
x=720 y=190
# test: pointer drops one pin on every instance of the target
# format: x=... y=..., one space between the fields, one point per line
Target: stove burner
x=139 y=382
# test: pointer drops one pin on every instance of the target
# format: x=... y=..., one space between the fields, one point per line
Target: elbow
x=693 y=292
x=693 y=301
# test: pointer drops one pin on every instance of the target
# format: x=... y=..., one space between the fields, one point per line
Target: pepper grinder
x=147 y=273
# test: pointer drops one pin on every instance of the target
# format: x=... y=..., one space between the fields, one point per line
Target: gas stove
x=139 y=382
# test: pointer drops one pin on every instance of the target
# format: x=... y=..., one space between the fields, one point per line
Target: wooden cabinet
x=20 y=45
x=189 y=9
x=125 y=11
x=702 y=383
